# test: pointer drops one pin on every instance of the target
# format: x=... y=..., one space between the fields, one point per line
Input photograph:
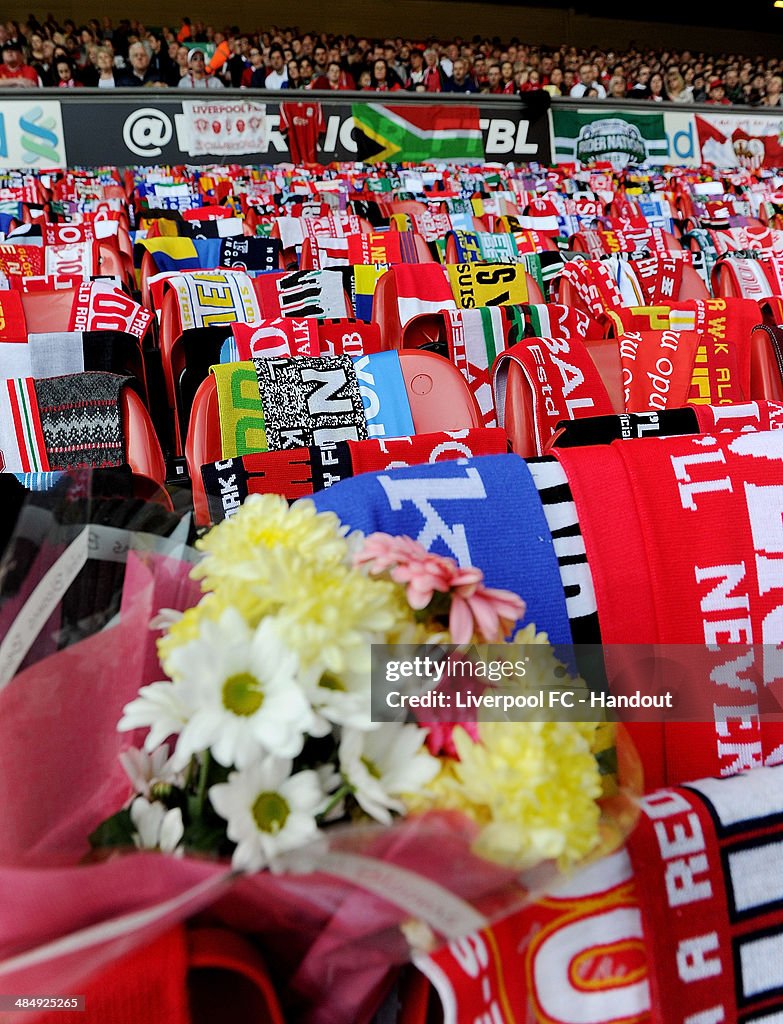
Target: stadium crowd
x=99 y=54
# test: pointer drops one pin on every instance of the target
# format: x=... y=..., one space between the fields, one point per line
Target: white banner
x=224 y=128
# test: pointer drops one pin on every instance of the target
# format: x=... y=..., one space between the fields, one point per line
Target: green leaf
x=117 y=830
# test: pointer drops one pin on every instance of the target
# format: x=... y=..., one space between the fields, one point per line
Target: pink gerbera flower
x=474 y=608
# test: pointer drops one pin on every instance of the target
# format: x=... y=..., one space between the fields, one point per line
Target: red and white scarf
x=476 y=337
x=22 y=445
x=563 y=380
x=101 y=307
x=277 y=337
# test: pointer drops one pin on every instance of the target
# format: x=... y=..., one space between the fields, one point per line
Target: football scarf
x=739 y=418
x=423 y=288
x=199 y=230
x=310 y=401
x=721 y=371
x=682 y=545
x=561 y=516
x=299 y=472
x=22 y=442
x=80 y=420
x=660 y=278
x=488 y=284
x=382 y=387
x=563 y=380
x=56 y=354
x=484 y=247
x=242 y=428
x=461 y=509
x=318 y=293
x=172 y=254
x=736 y=239
x=13 y=325
x=20 y=261
x=574 y=956
x=348 y=337
x=628 y=425
x=365 y=279
x=657 y=368
x=78 y=259
x=214 y=299
x=276 y=338
x=748 y=276
x=476 y=337
x=101 y=307
x=382 y=249
x=708 y=866
x=245 y=253
x=549 y=320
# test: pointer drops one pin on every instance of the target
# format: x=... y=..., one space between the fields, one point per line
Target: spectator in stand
x=676 y=89
x=640 y=90
x=587 y=80
x=699 y=89
x=384 y=80
x=160 y=62
x=364 y=82
x=305 y=73
x=335 y=78
x=528 y=81
x=140 y=73
x=755 y=92
x=657 y=93
x=14 y=72
x=507 y=78
x=292 y=80
x=239 y=61
x=65 y=79
x=732 y=85
x=717 y=94
x=320 y=60
x=461 y=80
x=434 y=76
x=44 y=68
x=197 y=77
x=107 y=76
x=617 y=89
x=480 y=71
x=494 y=86
x=555 y=84
x=774 y=92
x=256 y=63
x=277 y=77
x=415 y=82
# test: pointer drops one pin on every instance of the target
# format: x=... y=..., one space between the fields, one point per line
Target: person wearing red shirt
x=14 y=72
x=717 y=93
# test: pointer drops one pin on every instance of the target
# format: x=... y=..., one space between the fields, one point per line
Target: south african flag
x=417 y=133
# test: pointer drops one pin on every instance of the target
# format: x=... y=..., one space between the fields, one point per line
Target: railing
x=83 y=127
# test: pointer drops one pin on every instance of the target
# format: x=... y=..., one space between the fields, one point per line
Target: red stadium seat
x=437 y=392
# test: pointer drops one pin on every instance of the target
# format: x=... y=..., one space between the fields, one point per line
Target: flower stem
x=343 y=791
x=201 y=793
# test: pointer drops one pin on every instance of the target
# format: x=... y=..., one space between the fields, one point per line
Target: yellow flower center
x=371 y=768
x=329 y=681
x=270 y=812
x=242 y=694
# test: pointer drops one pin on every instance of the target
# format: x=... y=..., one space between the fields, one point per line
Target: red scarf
x=101 y=307
x=563 y=379
x=683 y=547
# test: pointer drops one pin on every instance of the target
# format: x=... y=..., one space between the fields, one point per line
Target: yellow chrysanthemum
x=258 y=544
x=532 y=786
x=330 y=614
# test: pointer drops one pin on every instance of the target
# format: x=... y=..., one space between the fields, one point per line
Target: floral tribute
x=260 y=738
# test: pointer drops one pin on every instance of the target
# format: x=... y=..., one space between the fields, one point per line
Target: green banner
x=621 y=138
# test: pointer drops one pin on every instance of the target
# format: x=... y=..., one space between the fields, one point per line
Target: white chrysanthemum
x=156 y=827
x=382 y=765
x=159 y=707
x=268 y=811
x=243 y=689
x=147 y=771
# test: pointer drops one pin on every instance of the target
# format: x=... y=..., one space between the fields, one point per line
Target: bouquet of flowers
x=261 y=738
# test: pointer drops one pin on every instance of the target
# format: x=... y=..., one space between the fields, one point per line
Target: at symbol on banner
x=146 y=131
